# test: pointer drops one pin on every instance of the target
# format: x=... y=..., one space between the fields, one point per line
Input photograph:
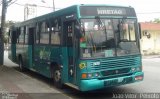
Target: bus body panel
x=92 y=84
x=12 y=52
x=64 y=58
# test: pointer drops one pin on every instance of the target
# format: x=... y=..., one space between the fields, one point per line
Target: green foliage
x=156 y=20
x=7 y=25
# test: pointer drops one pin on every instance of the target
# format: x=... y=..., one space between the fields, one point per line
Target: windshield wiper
x=102 y=25
x=93 y=46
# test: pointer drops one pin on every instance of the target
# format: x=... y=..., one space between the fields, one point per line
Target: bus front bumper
x=93 y=84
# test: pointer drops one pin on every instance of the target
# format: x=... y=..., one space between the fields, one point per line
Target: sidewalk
x=16 y=84
x=150 y=56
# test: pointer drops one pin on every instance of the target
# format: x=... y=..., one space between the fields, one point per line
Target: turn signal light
x=84 y=75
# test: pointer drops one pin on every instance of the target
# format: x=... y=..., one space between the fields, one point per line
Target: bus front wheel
x=57 y=77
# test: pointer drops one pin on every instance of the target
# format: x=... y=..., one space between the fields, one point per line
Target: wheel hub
x=57 y=76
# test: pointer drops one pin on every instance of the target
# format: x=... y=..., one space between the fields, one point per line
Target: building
x=150 y=41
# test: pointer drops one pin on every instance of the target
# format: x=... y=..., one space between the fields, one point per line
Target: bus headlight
x=96 y=74
x=139 y=68
x=133 y=69
x=90 y=75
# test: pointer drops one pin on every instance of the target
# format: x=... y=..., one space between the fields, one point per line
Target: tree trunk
x=4 y=8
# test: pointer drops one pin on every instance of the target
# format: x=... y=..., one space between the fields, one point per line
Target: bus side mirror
x=139 y=30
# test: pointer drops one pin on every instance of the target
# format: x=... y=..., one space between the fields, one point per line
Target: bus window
x=37 y=33
x=21 y=35
x=55 y=32
x=26 y=34
x=128 y=30
x=132 y=31
x=9 y=36
x=55 y=37
x=44 y=33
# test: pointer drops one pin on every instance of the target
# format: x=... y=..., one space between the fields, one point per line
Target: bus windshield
x=108 y=37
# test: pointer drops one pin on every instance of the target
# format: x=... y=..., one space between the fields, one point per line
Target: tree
x=7 y=26
x=156 y=20
x=4 y=10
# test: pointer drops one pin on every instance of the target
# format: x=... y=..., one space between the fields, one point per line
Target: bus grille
x=114 y=63
x=115 y=71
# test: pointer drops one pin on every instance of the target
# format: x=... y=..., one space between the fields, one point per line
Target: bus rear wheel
x=21 y=64
x=57 y=77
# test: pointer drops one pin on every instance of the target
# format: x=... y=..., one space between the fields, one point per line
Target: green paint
x=65 y=64
x=92 y=84
x=83 y=45
x=30 y=56
x=44 y=54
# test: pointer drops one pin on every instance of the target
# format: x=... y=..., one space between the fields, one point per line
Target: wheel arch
x=53 y=66
x=19 y=56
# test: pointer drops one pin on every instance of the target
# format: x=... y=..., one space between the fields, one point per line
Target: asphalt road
x=151 y=83
x=147 y=88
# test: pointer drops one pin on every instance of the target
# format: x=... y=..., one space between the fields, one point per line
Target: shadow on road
x=73 y=93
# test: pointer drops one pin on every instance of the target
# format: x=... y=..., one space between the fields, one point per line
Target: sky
x=146 y=10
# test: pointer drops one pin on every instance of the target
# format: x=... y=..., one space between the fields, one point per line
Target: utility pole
x=2 y=29
x=53 y=6
x=3 y=17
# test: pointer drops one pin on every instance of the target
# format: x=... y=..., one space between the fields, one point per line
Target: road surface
x=151 y=83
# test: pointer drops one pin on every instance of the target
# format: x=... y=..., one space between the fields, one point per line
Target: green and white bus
x=86 y=47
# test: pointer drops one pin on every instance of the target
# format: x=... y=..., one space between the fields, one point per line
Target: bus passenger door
x=31 y=46
x=71 y=50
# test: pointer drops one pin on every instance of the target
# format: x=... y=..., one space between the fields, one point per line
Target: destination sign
x=109 y=11
x=106 y=11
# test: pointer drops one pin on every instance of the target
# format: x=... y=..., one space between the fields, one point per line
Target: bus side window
x=18 y=33
x=70 y=34
x=44 y=33
x=9 y=36
x=55 y=32
x=25 y=34
x=13 y=37
x=37 y=33
x=21 y=35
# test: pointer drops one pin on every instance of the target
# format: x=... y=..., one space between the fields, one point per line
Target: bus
x=86 y=47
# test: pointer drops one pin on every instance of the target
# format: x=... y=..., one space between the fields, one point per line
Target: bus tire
x=57 y=77
x=22 y=69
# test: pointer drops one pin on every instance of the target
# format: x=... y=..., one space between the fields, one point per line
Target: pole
x=2 y=30
x=53 y=6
